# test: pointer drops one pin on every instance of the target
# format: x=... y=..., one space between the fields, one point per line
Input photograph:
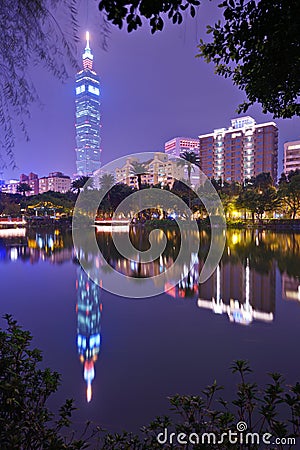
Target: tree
x=262 y=181
x=257 y=46
x=258 y=196
x=25 y=420
x=27 y=423
x=229 y=193
x=9 y=204
x=23 y=188
x=78 y=184
x=190 y=159
x=107 y=181
x=289 y=192
x=138 y=169
x=132 y=12
x=50 y=201
x=30 y=35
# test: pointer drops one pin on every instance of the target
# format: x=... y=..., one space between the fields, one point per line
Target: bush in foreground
x=200 y=422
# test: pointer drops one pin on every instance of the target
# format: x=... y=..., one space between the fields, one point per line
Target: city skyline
x=153 y=89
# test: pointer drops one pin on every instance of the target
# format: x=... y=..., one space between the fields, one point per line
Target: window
x=80 y=89
x=93 y=90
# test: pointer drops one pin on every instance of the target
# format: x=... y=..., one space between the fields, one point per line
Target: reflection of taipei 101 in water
x=89 y=310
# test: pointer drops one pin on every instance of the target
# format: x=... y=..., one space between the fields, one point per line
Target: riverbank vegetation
x=256 y=200
x=271 y=412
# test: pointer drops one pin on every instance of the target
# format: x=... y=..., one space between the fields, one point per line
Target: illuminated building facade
x=178 y=145
x=56 y=181
x=159 y=169
x=2 y=182
x=240 y=152
x=87 y=116
x=291 y=156
x=89 y=310
x=10 y=187
x=33 y=182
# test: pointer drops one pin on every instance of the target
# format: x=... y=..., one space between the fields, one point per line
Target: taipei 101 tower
x=87 y=124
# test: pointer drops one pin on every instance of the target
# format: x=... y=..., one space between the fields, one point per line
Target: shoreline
x=292 y=225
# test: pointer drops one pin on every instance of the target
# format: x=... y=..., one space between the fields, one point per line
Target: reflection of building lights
x=12 y=232
x=235 y=238
x=88 y=309
x=247 y=283
x=112 y=228
x=290 y=287
x=133 y=265
x=13 y=254
x=50 y=242
x=218 y=304
x=89 y=375
x=238 y=312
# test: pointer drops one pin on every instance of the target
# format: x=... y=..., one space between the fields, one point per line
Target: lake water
x=120 y=358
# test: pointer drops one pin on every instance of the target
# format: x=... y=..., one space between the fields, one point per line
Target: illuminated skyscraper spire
x=87 y=123
x=87 y=57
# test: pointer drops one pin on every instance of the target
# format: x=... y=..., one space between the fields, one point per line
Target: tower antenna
x=87 y=39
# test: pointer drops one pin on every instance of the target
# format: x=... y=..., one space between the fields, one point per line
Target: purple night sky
x=153 y=89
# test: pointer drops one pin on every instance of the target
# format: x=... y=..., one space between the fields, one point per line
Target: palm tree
x=138 y=169
x=190 y=159
x=107 y=181
x=79 y=183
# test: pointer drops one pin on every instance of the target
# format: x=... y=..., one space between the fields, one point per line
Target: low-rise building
x=55 y=181
x=58 y=182
x=159 y=169
x=11 y=187
x=43 y=185
x=33 y=182
x=178 y=145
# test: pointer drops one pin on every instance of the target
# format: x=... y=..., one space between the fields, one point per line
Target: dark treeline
x=256 y=199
